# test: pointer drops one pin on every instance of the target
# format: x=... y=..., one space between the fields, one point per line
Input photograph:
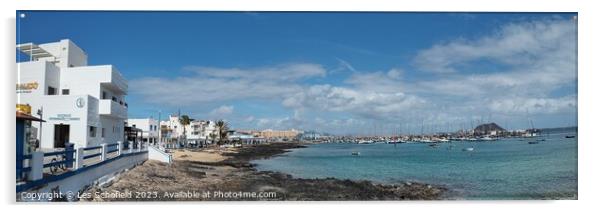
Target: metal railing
x=60 y=161
x=33 y=166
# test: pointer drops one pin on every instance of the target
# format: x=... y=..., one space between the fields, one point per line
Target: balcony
x=112 y=108
x=106 y=75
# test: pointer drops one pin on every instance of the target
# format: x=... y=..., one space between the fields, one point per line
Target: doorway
x=61 y=135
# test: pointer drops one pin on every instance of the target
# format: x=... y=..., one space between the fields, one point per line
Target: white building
x=197 y=132
x=81 y=104
x=200 y=132
x=149 y=127
x=170 y=129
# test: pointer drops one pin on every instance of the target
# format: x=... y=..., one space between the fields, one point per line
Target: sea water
x=504 y=169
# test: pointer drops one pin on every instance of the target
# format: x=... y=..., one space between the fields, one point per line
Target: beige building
x=283 y=134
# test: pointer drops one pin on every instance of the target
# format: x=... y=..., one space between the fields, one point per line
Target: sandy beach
x=226 y=174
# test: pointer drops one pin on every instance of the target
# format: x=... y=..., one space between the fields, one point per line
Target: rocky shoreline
x=235 y=179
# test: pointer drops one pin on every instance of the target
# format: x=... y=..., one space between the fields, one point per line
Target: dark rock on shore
x=249 y=153
x=289 y=188
x=237 y=175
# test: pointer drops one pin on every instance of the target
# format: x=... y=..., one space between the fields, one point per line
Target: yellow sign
x=27 y=87
x=24 y=108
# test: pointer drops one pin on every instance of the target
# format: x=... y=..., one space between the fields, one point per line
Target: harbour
x=509 y=168
x=113 y=119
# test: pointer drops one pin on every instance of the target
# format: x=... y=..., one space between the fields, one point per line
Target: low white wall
x=71 y=185
x=155 y=153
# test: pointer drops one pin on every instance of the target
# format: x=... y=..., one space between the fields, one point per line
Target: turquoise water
x=504 y=169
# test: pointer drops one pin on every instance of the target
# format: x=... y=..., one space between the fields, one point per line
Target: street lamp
x=40 y=113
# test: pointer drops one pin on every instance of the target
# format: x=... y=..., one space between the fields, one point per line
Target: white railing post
x=130 y=146
x=120 y=147
x=37 y=166
x=103 y=151
x=79 y=161
x=139 y=145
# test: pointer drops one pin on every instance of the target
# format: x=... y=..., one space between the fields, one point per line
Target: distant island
x=487 y=128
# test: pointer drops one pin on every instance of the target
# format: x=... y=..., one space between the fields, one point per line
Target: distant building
x=200 y=131
x=81 y=104
x=197 y=132
x=149 y=128
x=311 y=135
x=280 y=134
x=170 y=130
x=244 y=137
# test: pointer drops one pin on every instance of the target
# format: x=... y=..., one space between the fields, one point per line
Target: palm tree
x=222 y=130
x=184 y=121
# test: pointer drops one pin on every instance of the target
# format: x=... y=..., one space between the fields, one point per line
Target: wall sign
x=80 y=103
x=63 y=117
x=27 y=87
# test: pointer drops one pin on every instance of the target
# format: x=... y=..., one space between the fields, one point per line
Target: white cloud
x=210 y=85
x=222 y=111
x=535 y=105
x=284 y=72
x=395 y=73
x=357 y=101
x=377 y=81
x=533 y=60
x=249 y=119
x=518 y=44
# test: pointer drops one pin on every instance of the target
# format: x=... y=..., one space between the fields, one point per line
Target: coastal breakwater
x=234 y=178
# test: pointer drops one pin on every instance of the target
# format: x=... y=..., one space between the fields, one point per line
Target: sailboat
x=532 y=133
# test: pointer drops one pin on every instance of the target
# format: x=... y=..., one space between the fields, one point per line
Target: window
x=92 y=131
x=102 y=132
x=104 y=95
x=114 y=99
x=65 y=91
x=51 y=91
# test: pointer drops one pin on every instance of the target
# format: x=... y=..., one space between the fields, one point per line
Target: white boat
x=364 y=142
x=426 y=140
x=487 y=138
x=469 y=149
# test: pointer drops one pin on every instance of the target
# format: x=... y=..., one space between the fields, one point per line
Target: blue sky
x=344 y=73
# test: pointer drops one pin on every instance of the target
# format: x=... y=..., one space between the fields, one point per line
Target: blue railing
x=22 y=171
x=61 y=158
x=113 y=147
x=92 y=155
x=109 y=148
x=92 y=148
x=67 y=160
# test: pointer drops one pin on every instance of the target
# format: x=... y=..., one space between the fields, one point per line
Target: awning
x=33 y=50
x=23 y=116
